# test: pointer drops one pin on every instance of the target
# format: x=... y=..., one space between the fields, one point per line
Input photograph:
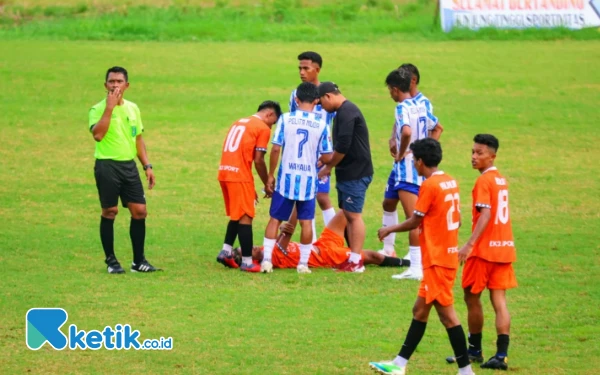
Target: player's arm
x=482 y=222
x=405 y=134
x=409 y=224
x=261 y=166
x=436 y=133
x=273 y=161
x=392 y=142
x=142 y=155
x=101 y=127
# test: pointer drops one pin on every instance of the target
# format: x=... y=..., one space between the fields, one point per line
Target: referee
x=117 y=128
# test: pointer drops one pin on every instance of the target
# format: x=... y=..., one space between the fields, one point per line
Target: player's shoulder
x=100 y=105
x=130 y=104
x=293 y=94
x=421 y=98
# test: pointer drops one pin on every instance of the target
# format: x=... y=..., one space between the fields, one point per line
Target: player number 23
x=455 y=201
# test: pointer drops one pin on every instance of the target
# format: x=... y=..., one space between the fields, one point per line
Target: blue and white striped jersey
x=318 y=109
x=420 y=98
x=303 y=136
x=411 y=113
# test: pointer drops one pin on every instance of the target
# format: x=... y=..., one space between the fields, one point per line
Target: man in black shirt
x=353 y=166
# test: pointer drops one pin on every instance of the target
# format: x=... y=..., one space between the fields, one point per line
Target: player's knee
x=449 y=321
x=140 y=213
x=389 y=205
x=110 y=213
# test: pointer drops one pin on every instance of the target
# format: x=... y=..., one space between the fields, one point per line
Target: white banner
x=519 y=14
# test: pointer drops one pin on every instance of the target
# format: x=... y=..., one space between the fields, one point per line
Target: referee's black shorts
x=116 y=179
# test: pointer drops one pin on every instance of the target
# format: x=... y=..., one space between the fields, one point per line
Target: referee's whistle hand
x=151 y=179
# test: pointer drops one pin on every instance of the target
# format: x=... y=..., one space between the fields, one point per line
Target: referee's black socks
x=137 y=232
x=107 y=236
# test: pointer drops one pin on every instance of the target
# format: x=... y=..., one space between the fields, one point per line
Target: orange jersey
x=244 y=137
x=438 y=204
x=496 y=243
x=291 y=260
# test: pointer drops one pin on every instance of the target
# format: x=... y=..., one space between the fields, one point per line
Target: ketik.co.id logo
x=43 y=325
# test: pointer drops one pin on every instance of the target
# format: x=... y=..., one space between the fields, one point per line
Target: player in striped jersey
x=390 y=201
x=412 y=123
x=301 y=136
x=309 y=67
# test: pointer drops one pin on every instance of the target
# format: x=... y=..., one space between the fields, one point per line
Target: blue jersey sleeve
x=278 y=138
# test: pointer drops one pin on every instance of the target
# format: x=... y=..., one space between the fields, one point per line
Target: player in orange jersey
x=489 y=253
x=328 y=251
x=246 y=142
x=437 y=216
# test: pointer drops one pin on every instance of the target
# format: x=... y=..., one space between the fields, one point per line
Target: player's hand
x=150 y=177
x=393 y=148
x=398 y=158
x=383 y=232
x=325 y=171
x=113 y=98
x=266 y=192
x=270 y=186
x=464 y=253
x=287 y=228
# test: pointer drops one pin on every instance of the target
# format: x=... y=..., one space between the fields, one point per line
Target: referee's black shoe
x=113 y=265
x=143 y=266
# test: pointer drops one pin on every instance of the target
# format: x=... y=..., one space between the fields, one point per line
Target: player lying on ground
x=328 y=251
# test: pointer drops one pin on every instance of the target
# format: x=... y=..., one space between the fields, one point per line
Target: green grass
x=267 y=20
x=540 y=99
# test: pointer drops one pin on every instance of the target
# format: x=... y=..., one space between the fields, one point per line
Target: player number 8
x=502 y=213
x=455 y=200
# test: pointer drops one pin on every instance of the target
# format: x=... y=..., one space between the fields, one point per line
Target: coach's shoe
x=473 y=358
x=496 y=363
x=266 y=266
x=410 y=274
x=388 y=253
x=254 y=268
x=226 y=259
x=348 y=266
x=144 y=266
x=113 y=265
x=387 y=368
x=303 y=268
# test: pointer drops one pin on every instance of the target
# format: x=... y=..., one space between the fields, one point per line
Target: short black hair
x=117 y=69
x=413 y=69
x=427 y=149
x=307 y=92
x=270 y=104
x=488 y=140
x=312 y=56
x=399 y=78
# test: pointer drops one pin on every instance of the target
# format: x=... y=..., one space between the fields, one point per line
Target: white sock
x=400 y=361
x=355 y=258
x=389 y=219
x=268 y=245
x=314 y=229
x=305 y=250
x=227 y=248
x=247 y=261
x=328 y=214
x=415 y=258
x=467 y=370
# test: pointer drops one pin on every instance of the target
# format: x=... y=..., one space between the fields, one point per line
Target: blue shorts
x=392 y=187
x=281 y=208
x=351 y=194
x=324 y=185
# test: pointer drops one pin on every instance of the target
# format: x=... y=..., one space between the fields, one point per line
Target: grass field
x=540 y=99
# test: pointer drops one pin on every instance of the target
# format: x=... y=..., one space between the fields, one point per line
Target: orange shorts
x=332 y=251
x=240 y=198
x=480 y=274
x=437 y=285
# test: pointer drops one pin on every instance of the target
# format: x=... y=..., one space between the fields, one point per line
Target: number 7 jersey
x=245 y=136
x=496 y=244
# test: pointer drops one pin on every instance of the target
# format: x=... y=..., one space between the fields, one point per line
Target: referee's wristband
x=147 y=166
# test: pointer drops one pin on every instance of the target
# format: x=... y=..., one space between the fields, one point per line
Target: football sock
x=305 y=250
x=107 y=236
x=314 y=231
x=247 y=261
x=389 y=219
x=475 y=343
x=232 y=232
x=400 y=361
x=137 y=232
x=228 y=249
x=245 y=237
x=413 y=337
x=328 y=214
x=456 y=335
x=467 y=370
x=354 y=258
x=502 y=346
x=415 y=258
x=268 y=245
x=394 y=262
